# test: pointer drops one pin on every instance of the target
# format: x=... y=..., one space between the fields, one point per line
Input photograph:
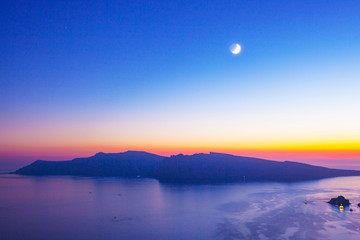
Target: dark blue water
x=112 y=208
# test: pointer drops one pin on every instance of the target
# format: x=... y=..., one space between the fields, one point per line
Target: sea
x=65 y=207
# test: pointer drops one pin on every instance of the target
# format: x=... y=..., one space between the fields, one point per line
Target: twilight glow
x=116 y=76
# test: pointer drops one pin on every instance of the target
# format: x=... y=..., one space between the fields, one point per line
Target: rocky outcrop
x=339 y=201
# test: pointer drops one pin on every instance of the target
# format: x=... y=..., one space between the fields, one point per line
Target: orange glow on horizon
x=275 y=151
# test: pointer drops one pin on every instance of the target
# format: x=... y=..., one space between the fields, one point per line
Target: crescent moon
x=235 y=48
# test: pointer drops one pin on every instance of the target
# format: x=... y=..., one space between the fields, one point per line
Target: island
x=339 y=201
x=197 y=168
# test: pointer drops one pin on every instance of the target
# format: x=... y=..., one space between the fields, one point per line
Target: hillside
x=126 y=164
x=218 y=167
x=197 y=168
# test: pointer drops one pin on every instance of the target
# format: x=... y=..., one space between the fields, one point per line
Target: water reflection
x=109 y=208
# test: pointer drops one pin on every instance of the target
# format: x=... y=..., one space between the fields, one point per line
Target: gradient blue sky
x=79 y=77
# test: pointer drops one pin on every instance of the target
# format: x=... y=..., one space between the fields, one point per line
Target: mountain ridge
x=131 y=164
x=210 y=167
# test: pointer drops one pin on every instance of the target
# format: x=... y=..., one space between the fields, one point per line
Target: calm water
x=110 y=208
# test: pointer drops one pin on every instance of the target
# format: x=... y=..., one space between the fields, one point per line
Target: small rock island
x=339 y=201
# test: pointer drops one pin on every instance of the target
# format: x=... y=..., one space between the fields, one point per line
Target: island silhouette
x=196 y=168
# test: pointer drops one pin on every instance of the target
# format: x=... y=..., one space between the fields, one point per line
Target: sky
x=79 y=77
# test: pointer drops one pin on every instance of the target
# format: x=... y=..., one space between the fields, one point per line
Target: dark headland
x=197 y=168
